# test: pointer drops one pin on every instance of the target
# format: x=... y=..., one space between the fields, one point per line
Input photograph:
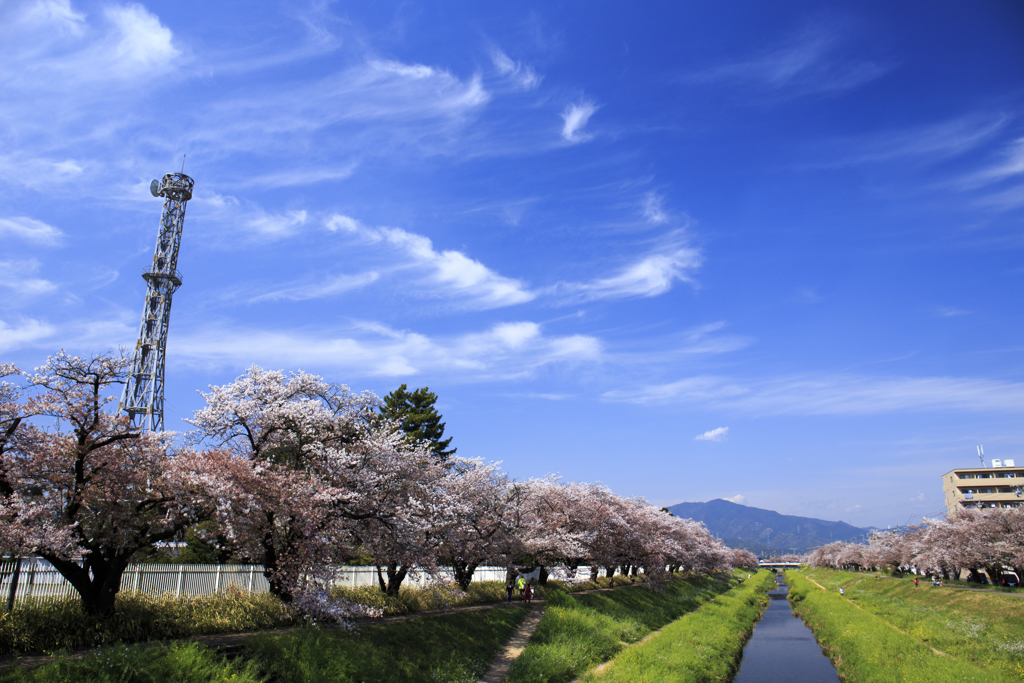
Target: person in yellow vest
x=521 y=585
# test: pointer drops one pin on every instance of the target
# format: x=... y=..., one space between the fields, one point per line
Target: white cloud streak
x=575 y=118
x=449 y=271
x=17 y=276
x=506 y=350
x=30 y=230
x=49 y=46
x=834 y=395
x=650 y=276
x=25 y=333
x=805 y=65
x=524 y=77
x=276 y=226
x=331 y=286
x=719 y=434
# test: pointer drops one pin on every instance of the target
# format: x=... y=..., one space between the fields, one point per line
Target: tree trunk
x=464 y=572
x=542 y=576
x=609 y=571
x=14 y=583
x=396 y=574
x=98 y=581
x=594 y=572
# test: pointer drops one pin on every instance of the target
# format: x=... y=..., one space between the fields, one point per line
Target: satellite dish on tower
x=154 y=188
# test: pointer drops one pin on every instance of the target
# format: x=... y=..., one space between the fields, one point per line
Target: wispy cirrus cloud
x=506 y=350
x=390 y=103
x=653 y=211
x=450 y=272
x=50 y=46
x=275 y=226
x=834 y=394
x=30 y=230
x=24 y=333
x=806 y=64
x=523 y=76
x=18 y=278
x=718 y=434
x=37 y=172
x=930 y=143
x=649 y=276
x=331 y=286
x=575 y=118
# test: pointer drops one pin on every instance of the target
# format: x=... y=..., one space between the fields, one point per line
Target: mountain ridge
x=766 y=532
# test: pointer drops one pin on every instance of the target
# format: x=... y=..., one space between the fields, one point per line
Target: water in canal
x=782 y=649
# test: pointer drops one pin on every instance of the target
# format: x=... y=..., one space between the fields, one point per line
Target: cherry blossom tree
x=484 y=528
x=300 y=474
x=80 y=488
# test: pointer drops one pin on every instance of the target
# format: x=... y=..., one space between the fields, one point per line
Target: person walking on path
x=841 y=592
x=521 y=585
x=509 y=588
x=915 y=582
x=527 y=593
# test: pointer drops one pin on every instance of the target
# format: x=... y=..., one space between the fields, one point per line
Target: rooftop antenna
x=143 y=397
x=981 y=455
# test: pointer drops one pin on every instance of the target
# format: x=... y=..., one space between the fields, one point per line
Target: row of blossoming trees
x=299 y=475
x=968 y=541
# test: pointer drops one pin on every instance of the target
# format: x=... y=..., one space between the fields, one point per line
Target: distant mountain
x=765 y=532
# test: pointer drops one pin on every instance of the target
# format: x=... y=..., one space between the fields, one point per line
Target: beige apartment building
x=998 y=486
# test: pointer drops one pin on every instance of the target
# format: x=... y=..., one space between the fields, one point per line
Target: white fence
x=39 y=579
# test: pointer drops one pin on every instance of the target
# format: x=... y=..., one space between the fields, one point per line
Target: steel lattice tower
x=143 y=397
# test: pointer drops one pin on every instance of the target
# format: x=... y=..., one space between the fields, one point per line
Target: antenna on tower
x=183 y=162
x=143 y=397
x=981 y=455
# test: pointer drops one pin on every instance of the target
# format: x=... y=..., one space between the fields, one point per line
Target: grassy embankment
x=448 y=648
x=885 y=630
x=455 y=648
x=54 y=625
x=705 y=645
x=579 y=632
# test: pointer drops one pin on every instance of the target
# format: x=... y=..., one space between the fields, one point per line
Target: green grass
x=704 y=645
x=51 y=625
x=456 y=648
x=865 y=646
x=580 y=631
x=175 y=663
x=415 y=600
x=984 y=628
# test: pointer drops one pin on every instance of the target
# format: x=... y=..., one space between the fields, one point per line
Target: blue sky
x=770 y=253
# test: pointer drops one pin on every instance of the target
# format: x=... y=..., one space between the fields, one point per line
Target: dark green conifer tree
x=415 y=412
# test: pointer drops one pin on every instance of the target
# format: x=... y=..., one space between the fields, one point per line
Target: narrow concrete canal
x=782 y=649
